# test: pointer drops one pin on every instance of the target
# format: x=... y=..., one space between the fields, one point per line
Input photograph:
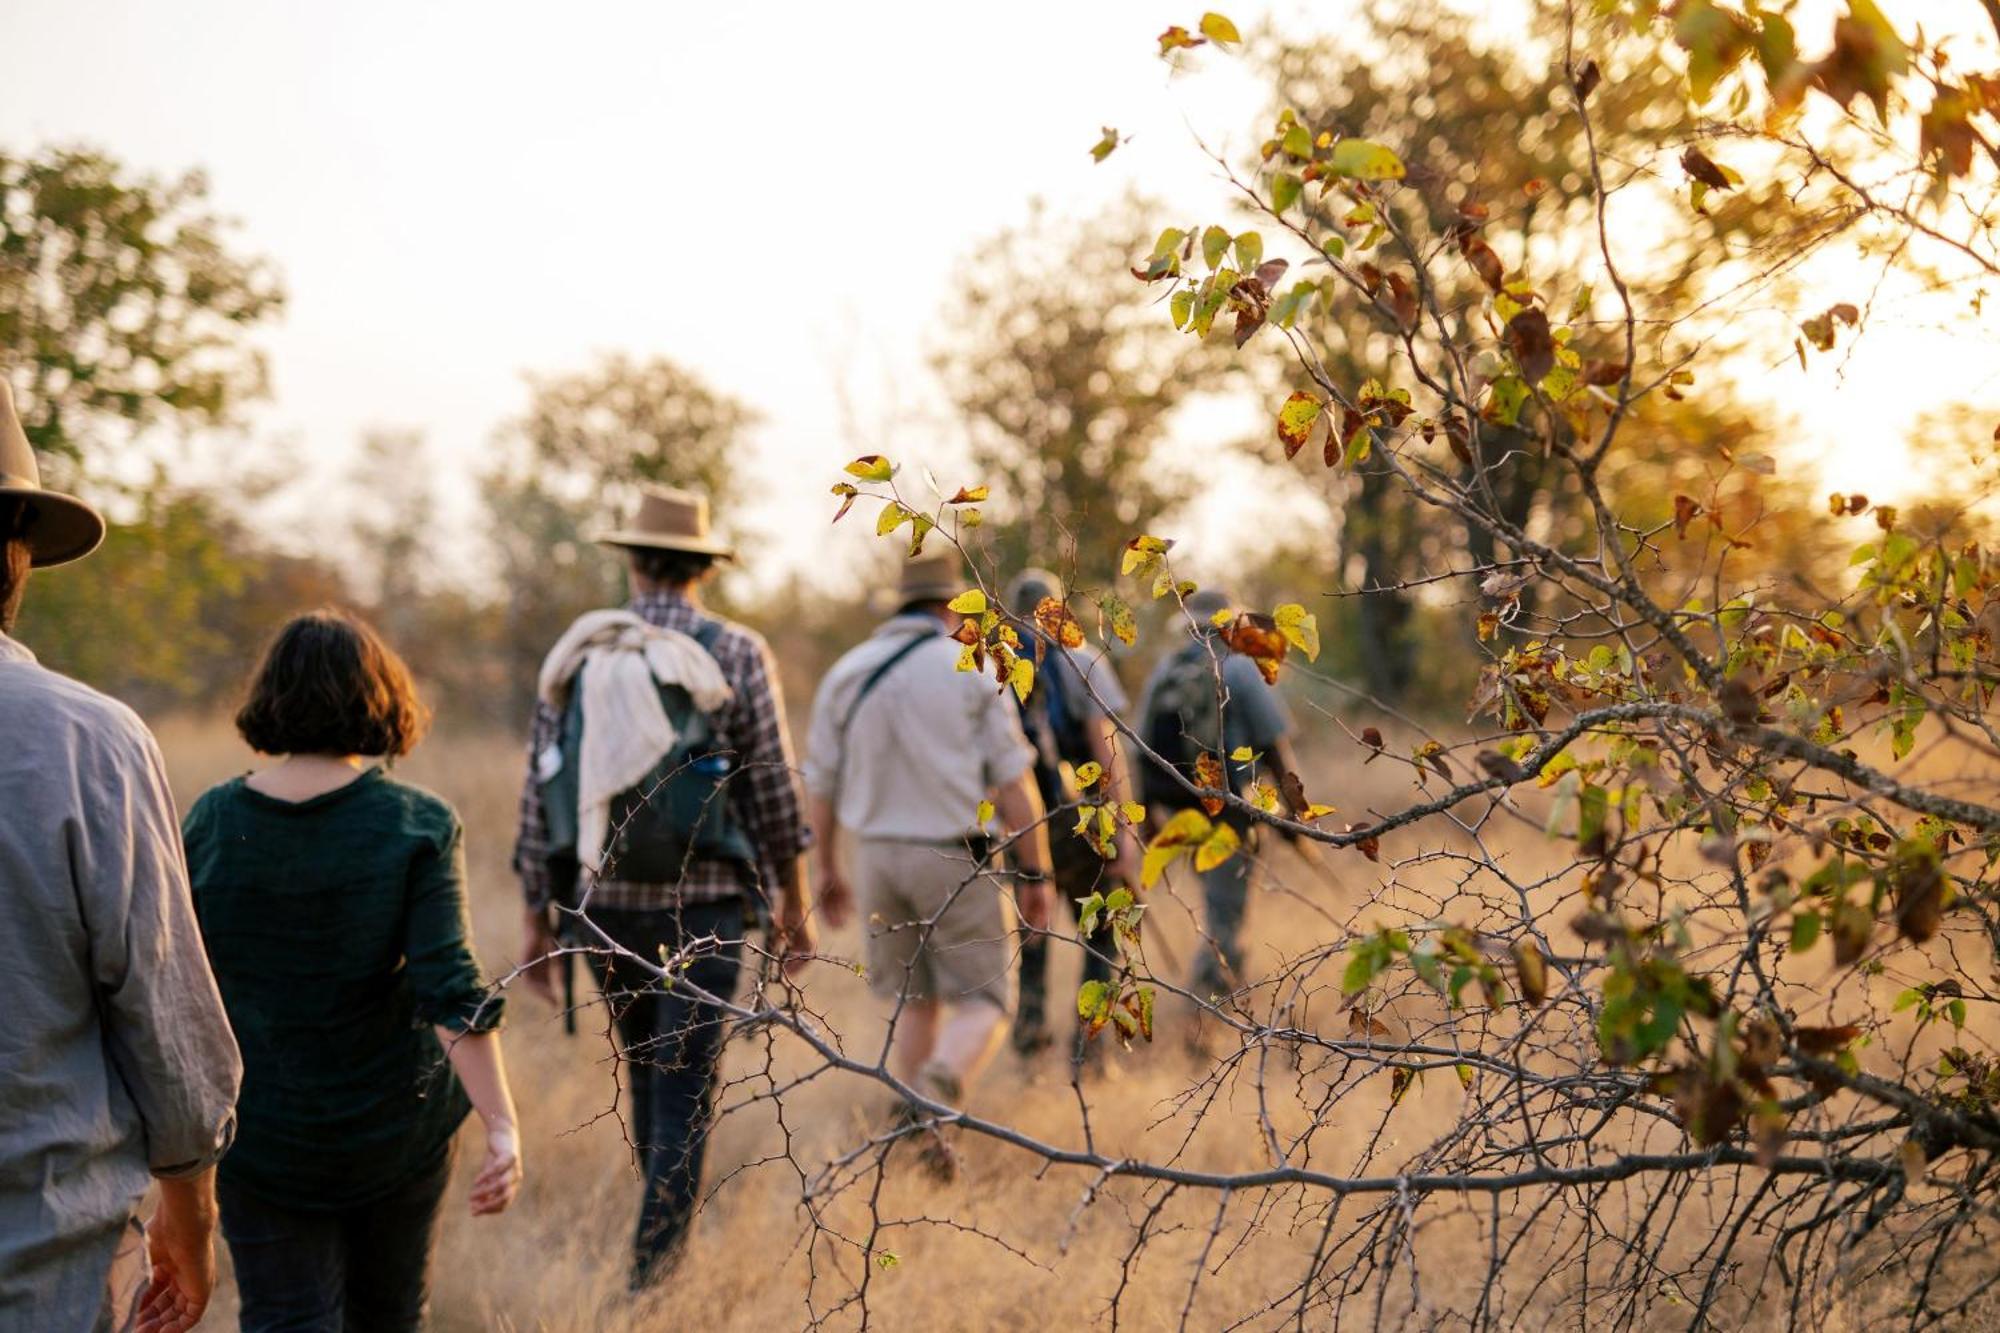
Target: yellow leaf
x=1361 y=160
x=1224 y=618
x=1242 y=754
x=968 y=495
x=1221 y=844
x=1142 y=555
x=871 y=467
x=1124 y=621
x=1217 y=28
x=1022 y=677
x=968 y=658
x=971 y=602
x=984 y=814
x=1313 y=812
x=1299 y=627
x=1154 y=864
x=1088 y=774
x=893 y=515
x=1134 y=812
x=1264 y=797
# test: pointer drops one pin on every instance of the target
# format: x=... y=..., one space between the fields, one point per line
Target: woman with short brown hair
x=332 y=902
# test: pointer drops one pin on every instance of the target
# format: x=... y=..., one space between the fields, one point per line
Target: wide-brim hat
x=60 y=527
x=936 y=577
x=669 y=520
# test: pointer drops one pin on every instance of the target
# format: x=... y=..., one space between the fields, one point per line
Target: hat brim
x=653 y=541
x=61 y=528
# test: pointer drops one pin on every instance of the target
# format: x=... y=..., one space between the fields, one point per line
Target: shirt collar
x=12 y=650
x=663 y=597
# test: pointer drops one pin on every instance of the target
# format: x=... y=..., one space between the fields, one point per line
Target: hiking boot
x=1031 y=1035
x=932 y=1153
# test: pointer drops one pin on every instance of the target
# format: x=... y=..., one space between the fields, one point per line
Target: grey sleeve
x=169 y=1039
x=823 y=739
x=1099 y=691
x=1004 y=751
x=1257 y=713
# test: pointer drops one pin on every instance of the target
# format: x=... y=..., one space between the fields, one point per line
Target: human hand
x=538 y=947
x=794 y=937
x=180 y=1243
x=499 y=1178
x=1035 y=898
x=836 y=898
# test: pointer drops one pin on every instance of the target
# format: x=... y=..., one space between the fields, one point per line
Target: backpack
x=1053 y=719
x=1183 y=719
x=679 y=812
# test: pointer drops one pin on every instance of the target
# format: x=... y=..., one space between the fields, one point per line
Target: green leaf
x=1105 y=146
x=1298 y=142
x=1180 y=306
x=1214 y=245
x=1285 y=191
x=893 y=517
x=1359 y=159
x=1219 y=29
x=1805 y=931
x=1093 y=1000
x=1170 y=241
x=1249 y=251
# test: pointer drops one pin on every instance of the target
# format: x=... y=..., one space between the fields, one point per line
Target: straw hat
x=669 y=520
x=61 y=527
x=937 y=577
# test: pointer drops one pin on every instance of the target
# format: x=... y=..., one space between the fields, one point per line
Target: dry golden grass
x=556 y=1261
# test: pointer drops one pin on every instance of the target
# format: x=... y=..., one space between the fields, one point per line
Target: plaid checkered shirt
x=764 y=791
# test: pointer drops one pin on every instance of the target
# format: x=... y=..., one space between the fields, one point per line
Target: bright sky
x=775 y=194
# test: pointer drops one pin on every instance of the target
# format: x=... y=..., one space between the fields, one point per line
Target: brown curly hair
x=329 y=685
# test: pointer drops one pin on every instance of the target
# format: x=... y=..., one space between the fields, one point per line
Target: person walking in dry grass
x=661 y=817
x=117 y=1066
x=332 y=901
x=904 y=749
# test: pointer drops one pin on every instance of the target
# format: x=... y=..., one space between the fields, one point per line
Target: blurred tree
x=594 y=434
x=1479 y=117
x=121 y=305
x=1067 y=382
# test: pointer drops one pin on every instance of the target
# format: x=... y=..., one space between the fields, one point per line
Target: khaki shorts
x=934 y=930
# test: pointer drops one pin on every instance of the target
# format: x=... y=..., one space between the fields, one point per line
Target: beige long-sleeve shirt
x=116 y=1060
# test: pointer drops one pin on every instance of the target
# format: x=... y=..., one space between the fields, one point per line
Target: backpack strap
x=882 y=669
x=706 y=634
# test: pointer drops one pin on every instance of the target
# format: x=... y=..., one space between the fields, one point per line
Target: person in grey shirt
x=1179 y=713
x=117 y=1066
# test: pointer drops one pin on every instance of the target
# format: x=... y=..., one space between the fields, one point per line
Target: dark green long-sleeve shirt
x=337 y=930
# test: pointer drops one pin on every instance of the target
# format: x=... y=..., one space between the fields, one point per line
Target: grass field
x=556 y=1261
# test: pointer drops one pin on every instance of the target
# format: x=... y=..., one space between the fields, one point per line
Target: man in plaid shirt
x=670 y=1042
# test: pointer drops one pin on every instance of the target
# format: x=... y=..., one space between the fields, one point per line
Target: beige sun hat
x=61 y=527
x=668 y=519
x=936 y=577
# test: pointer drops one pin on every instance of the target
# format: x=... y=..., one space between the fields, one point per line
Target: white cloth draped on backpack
x=627 y=732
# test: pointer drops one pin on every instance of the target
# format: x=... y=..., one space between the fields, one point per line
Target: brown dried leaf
x=1055 y=620
x=1531 y=344
x=1587 y=80
x=1209 y=775
x=1700 y=167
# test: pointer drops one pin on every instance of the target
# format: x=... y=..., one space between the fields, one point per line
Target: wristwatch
x=1032 y=876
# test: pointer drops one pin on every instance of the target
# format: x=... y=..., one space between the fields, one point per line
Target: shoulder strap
x=887 y=665
x=706 y=633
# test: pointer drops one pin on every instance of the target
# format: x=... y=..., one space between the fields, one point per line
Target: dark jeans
x=357 y=1270
x=671 y=1045
x=1079 y=872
